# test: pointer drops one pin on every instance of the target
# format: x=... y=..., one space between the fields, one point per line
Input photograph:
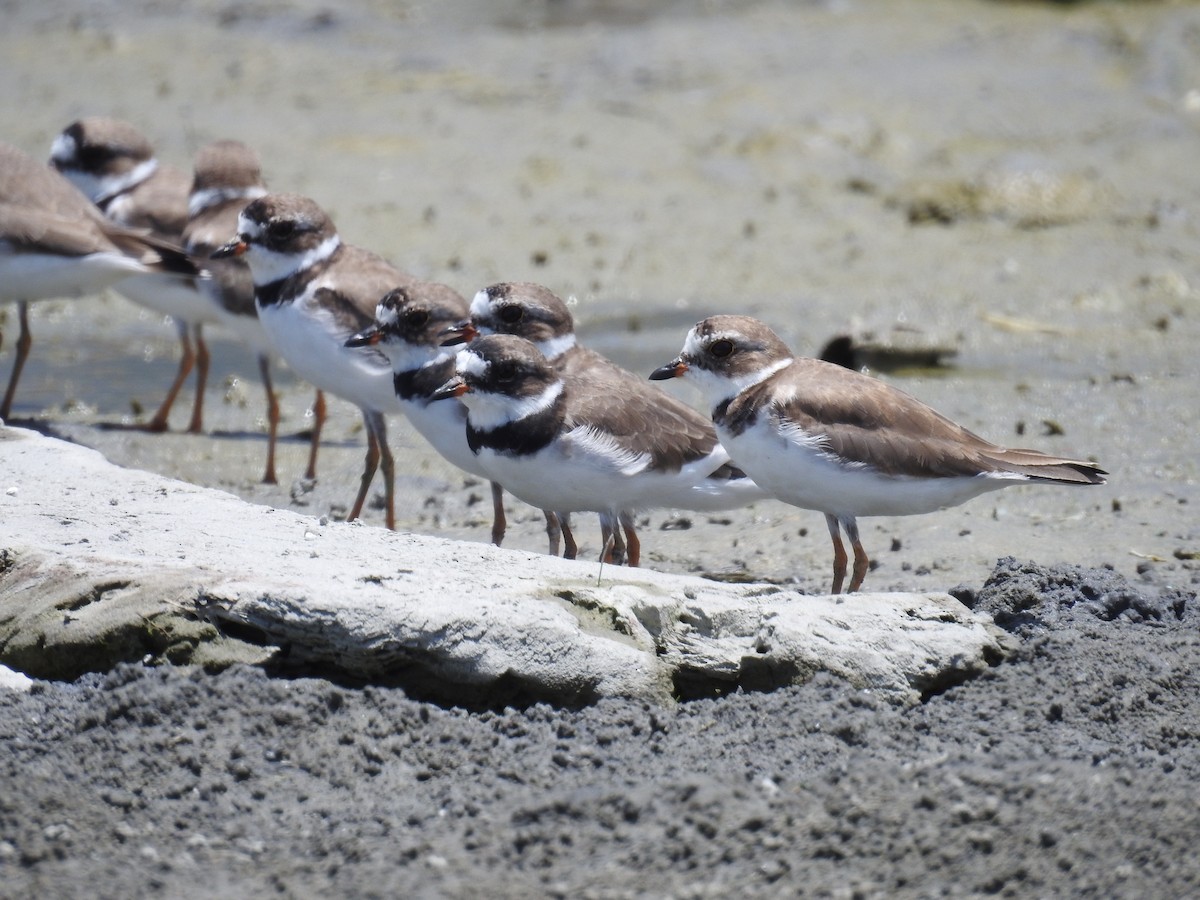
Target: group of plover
x=500 y=387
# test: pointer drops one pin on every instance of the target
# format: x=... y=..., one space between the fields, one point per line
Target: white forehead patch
x=64 y=148
x=248 y=226
x=481 y=304
x=468 y=362
x=692 y=347
x=386 y=315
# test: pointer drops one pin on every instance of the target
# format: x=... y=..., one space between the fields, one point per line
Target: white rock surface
x=14 y=681
x=100 y=564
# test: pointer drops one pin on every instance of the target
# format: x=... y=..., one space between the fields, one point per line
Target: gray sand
x=1069 y=771
x=1014 y=181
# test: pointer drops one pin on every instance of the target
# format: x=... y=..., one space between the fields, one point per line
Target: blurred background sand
x=1013 y=181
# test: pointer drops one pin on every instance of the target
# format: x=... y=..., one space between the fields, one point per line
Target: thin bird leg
x=387 y=464
x=196 y=426
x=839 y=554
x=370 y=464
x=24 y=342
x=614 y=543
x=634 y=556
x=318 y=410
x=187 y=359
x=606 y=552
x=499 y=521
x=264 y=368
x=553 y=531
x=860 y=555
x=570 y=548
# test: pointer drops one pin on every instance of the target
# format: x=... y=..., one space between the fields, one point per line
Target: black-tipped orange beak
x=459 y=333
x=674 y=369
x=455 y=387
x=368 y=338
x=236 y=247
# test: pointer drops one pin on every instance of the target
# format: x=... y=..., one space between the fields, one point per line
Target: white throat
x=268 y=266
x=487 y=412
x=717 y=388
x=406 y=357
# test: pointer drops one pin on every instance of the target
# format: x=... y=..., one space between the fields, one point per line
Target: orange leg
x=196 y=426
x=264 y=367
x=839 y=554
x=370 y=464
x=860 y=555
x=318 y=409
x=570 y=548
x=378 y=456
x=499 y=521
x=553 y=531
x=24 y=342
x=187 y=359
x=634 y=555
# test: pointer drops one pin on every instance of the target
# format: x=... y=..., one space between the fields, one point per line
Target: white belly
x=313 y=345
x=172 y=295
x=37 y=276
x=547 y=481
x=444 y=424
x=803 y=476
x=581 y=472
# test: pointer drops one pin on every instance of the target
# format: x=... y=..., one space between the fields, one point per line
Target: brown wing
x=351 y=283
x=26 y=182
x=867 y=421
x=363 y=278
x=161 y=203
x=48 y=232
x=643 y=417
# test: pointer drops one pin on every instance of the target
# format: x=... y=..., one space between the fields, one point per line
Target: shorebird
x=409 y=325
x=313 y=293
x=113 y=164
x=823 y=437
x=581 y=443
x=227 y=175
x=55 y=243
x=536 y=313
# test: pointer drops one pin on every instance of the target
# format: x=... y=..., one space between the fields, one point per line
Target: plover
x=581 y=443
x=227 y=175
x=55 y=243
x=820 y=436
x=537 y=314
x=113 y=163
x=313 y=293
x=409 y=325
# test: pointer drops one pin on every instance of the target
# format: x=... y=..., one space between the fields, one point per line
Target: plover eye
x=417 y=318
x=95 y=157
x=720 y=349
x=505 y=372
x=511 y=314
x=281 y=229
